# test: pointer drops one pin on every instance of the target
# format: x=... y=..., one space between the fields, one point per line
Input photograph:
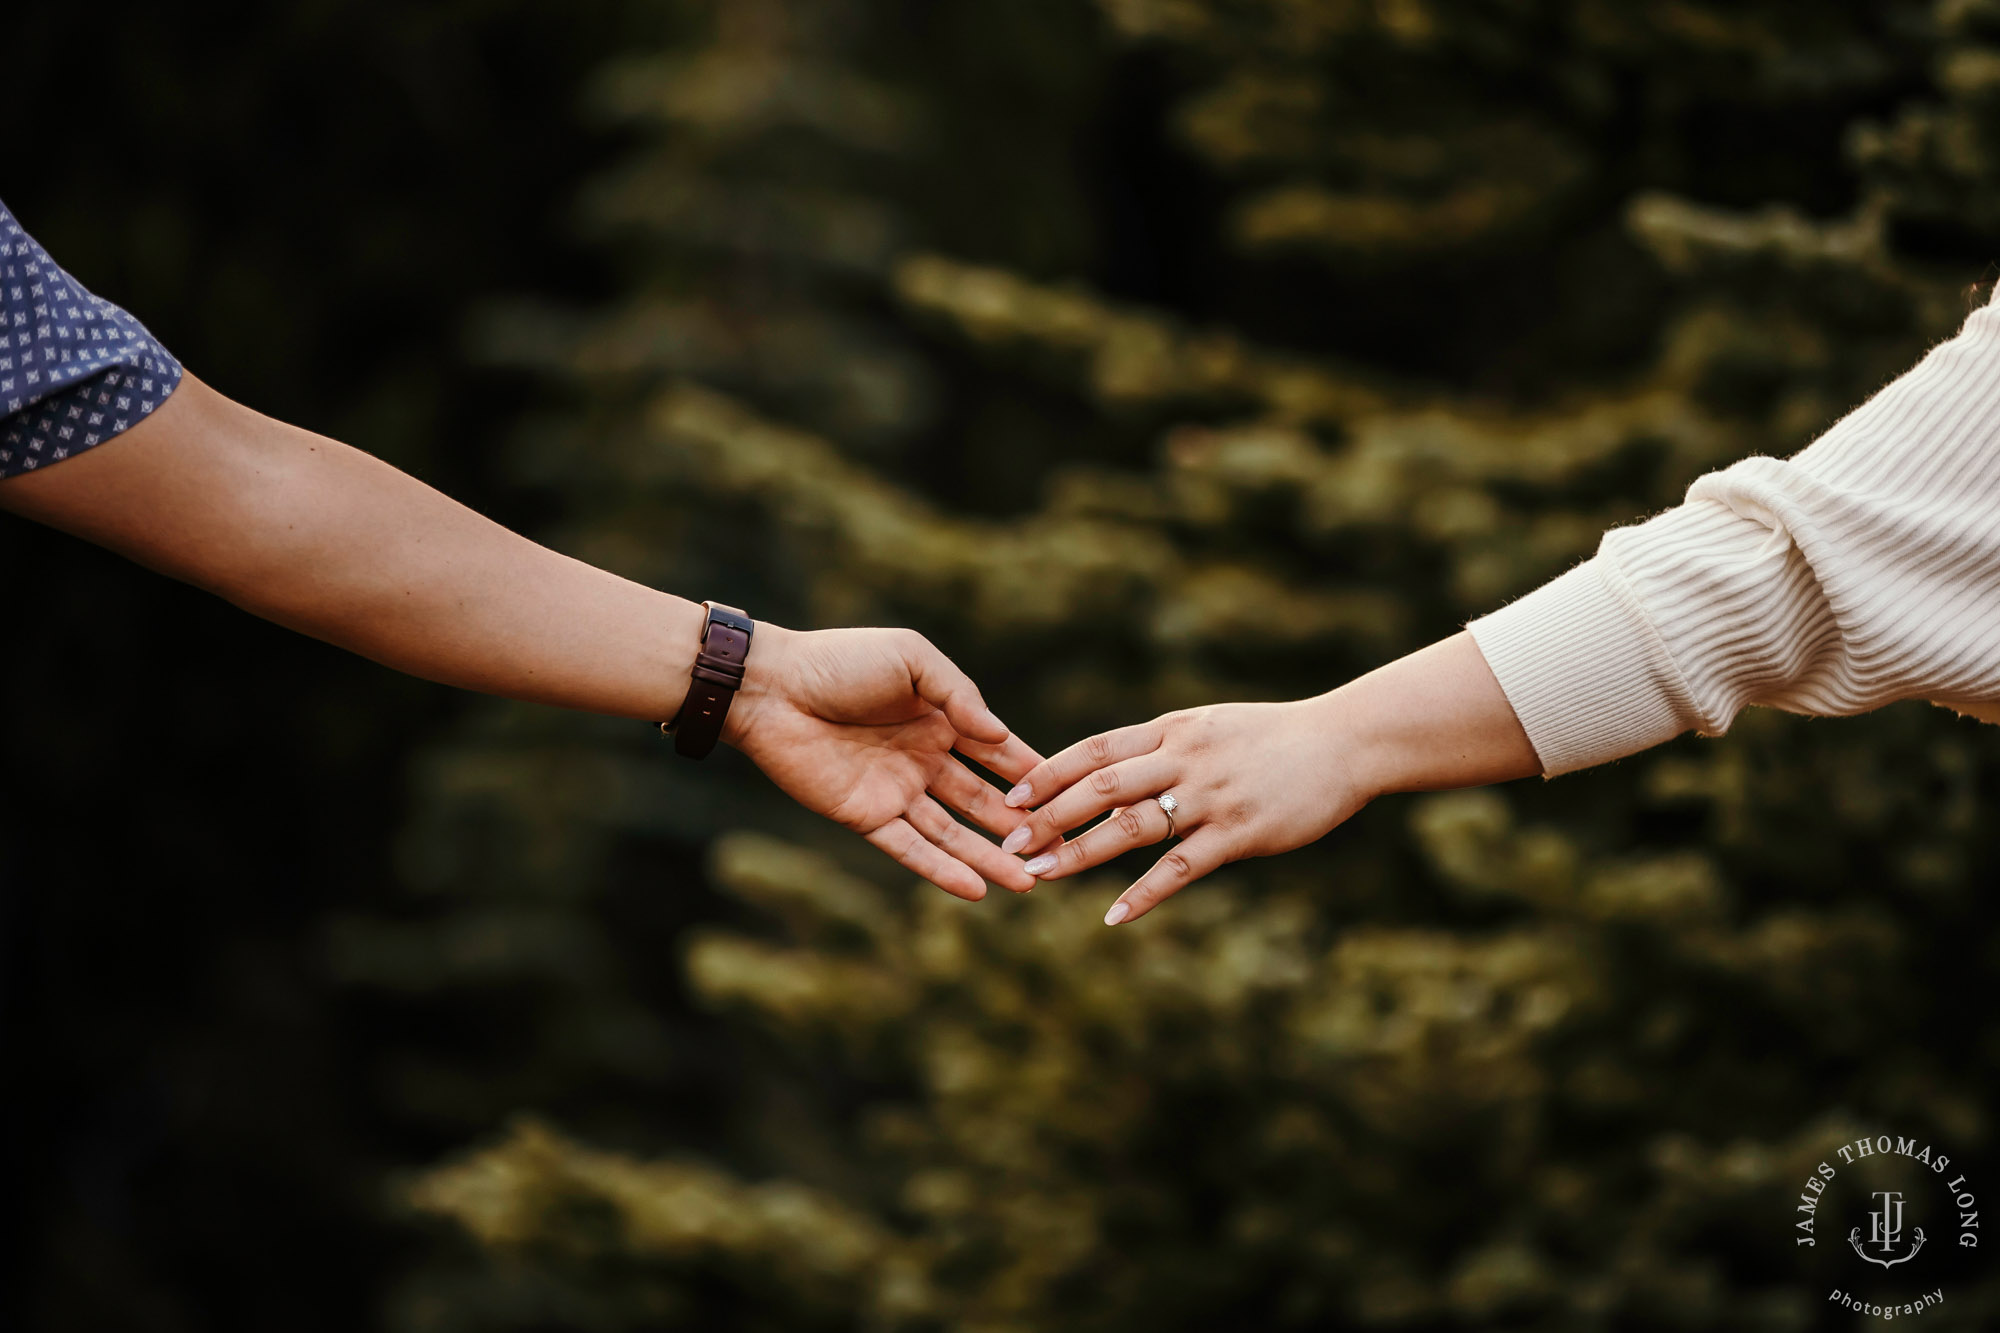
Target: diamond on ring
x=1167 y=807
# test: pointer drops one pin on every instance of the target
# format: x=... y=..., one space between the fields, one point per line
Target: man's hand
x=860 y=724
x=856 y=724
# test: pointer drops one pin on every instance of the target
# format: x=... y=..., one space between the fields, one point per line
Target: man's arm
x=334 y=543
x=325 y=539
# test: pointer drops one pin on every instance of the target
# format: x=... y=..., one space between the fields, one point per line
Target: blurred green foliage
x=1430 y=293
x=1427 y=294
x=1146 y=353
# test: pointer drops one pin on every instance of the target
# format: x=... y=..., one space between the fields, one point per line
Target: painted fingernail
x=1119 y=911
x=1019 y=796
x=1041 y=865
x=1015 y=840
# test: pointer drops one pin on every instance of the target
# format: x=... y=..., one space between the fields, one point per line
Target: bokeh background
x=1143 y=353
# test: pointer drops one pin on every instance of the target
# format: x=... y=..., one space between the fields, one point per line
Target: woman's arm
x=1254 y=779
x=325 y=539
x=1862 y=571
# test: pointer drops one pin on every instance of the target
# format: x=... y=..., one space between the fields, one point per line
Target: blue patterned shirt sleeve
x=75 y=370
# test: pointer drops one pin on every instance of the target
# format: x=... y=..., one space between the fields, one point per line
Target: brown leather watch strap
x=718 y=672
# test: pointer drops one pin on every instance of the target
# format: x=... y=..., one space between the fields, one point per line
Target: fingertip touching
x=1070 y=766
x=1042 y=828
x=1035 y=835
x=1035 y=784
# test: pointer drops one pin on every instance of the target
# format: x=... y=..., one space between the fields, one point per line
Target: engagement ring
x=1167 y=807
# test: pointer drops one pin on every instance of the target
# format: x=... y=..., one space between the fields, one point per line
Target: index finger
x=939 y=682
x=1010 y=758
x=1079 y=761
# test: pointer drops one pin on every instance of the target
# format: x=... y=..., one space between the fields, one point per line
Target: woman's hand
x=859 y=725
x=1249 y=779
x=1254 y=779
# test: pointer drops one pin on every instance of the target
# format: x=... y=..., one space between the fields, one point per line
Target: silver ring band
x=1167 y=804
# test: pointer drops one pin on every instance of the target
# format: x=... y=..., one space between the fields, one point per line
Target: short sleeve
x=75 y=370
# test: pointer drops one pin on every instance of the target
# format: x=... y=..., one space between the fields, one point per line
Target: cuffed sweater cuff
x=1584 y=671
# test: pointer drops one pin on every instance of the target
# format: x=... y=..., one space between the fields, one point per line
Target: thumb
x=939 y=682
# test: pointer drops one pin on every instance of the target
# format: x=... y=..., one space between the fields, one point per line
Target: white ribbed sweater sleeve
x=1864 y=570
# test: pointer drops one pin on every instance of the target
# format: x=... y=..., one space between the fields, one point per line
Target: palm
x=861 y=776
x=846 y=732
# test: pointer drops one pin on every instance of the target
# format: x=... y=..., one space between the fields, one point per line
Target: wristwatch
x=718 y=673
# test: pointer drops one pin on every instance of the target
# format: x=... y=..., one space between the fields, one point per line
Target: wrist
x=767 y=676
x=1359 y=752
x=1431 y=721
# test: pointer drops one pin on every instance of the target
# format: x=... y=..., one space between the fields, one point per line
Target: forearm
x=1433 y=720
x=329 y=541
x=859 y=725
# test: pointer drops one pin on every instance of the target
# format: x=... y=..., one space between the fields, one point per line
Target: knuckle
x=1177 y=865
x=1195 y=733
x=1097 y=748
x=1130 y=824
x=1105 y=781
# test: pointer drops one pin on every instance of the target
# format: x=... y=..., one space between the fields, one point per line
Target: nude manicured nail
x=1119 y=911
x=1041 y=865
x=994 y=718
x=1019 y=796
x=1015 y=840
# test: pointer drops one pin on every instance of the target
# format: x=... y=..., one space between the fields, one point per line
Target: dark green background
x=303 y=202
x=281 y=931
